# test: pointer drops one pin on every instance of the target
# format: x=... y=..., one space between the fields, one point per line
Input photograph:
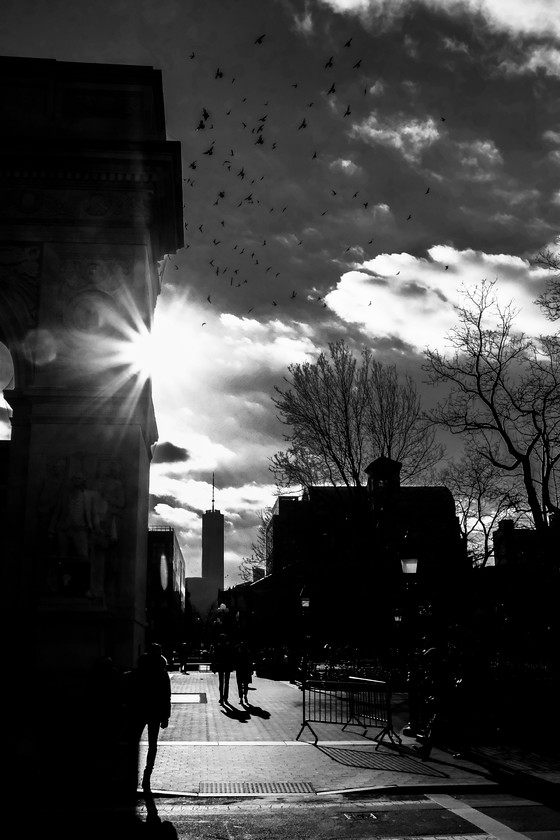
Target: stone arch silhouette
x=90 y=201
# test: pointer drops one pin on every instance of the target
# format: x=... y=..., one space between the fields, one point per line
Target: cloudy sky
x=348 y=166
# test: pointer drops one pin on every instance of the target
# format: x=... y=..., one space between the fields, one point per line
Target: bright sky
x=408 y=148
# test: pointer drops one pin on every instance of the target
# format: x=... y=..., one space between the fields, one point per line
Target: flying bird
x=409 y=217
x=347 y=112
x=348 y=42
x=208 y=299
x=357 y=64
x=332 y=89
x=329 y=62
x=427 y=191
x=260 y=39
x=303 y=124
x=209 y=150
x=219 y=74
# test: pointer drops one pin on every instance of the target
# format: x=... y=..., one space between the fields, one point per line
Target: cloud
x=537 y=58
x=416 y=305
x=478 y=160
x=538 y=17
x=167 y=452
x=409 y=137
x=348 y=167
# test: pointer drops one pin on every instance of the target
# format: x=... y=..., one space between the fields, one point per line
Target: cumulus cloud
x=478 y=159
x=538 y=17
x=409 y=137
x=538 y=58
x=346 y=166
x=400 y=297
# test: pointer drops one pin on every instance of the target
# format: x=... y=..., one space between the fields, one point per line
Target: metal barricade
x=359 y=701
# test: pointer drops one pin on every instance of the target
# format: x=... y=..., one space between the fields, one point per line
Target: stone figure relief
x=94 y=273
x=20 y=266
x=80 y=505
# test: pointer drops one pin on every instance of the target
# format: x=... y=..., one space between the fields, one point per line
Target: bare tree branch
x=504 y=396
x=344 y=412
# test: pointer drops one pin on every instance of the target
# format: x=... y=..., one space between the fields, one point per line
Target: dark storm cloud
x=242 y=474
x=167 y=453
x=392 y=344
x=172 y=502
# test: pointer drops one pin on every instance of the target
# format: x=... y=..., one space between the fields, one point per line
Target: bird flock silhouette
x=232 y=142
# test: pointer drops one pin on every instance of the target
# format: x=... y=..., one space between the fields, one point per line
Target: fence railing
x=358 y=701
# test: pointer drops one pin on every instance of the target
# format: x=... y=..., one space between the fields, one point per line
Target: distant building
x=204 y=590
x=167 y=603
x=347 y=545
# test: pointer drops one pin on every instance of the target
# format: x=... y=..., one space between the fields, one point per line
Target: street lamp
x=409 y=566
x=305 y=603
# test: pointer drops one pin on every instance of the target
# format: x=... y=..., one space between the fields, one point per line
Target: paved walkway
x=214 y=750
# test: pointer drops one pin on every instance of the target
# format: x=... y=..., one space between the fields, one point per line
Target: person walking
x=148 y=703
x=222 y=664
x=243 y=670
x=184 y=657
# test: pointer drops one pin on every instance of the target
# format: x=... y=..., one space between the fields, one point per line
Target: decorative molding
x=140 y=176
x=75 y=205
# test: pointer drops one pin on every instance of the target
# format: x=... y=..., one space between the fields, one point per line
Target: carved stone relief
x=80 y=505
x=20 y=267
x=69 y=203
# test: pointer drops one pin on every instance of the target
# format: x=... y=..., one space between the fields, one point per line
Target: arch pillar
x=90 y=200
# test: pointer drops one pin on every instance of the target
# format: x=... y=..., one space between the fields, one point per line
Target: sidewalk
x=214 y=750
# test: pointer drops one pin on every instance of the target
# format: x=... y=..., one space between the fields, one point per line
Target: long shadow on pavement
x=241 y=715
x=257 y=711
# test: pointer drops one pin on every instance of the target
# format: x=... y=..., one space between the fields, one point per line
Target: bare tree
x=503 y=396
x=483 y=495
x=549 y=301
x=259 y=550
x=343 y=413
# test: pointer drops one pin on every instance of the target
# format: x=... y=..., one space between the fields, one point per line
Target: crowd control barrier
x=358 y=701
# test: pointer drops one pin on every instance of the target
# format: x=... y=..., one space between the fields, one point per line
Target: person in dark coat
x=243 y=670
x=222 y=663
x=148 y=703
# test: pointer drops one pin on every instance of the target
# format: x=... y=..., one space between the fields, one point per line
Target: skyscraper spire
x=212 y=492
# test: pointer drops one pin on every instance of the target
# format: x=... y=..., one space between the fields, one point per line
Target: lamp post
x=305 y=603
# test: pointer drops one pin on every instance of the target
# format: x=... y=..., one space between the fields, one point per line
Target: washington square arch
x=90 y=202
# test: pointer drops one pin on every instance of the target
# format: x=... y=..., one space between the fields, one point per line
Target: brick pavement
x=208 y=747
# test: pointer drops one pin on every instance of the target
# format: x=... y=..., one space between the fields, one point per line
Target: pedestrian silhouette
x=148 y=703
x=222 y=663
x=184 y=657
x=243 y=670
